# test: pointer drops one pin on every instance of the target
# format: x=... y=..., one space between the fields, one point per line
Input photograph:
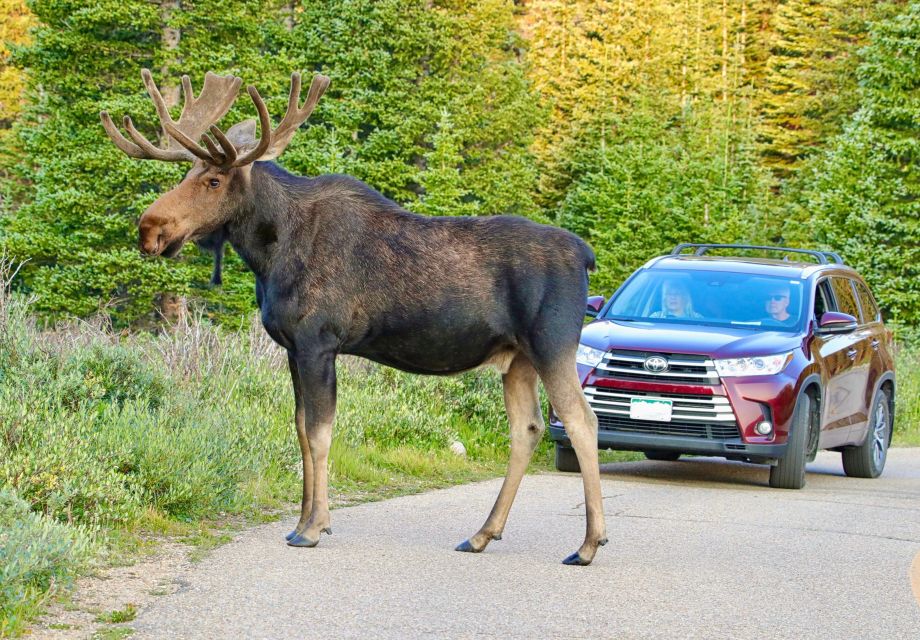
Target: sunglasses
x=777 y=297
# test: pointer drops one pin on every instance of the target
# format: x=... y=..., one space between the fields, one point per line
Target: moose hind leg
x=568 y=400
x=523 y=407
x=317 y=384
x=306 y=501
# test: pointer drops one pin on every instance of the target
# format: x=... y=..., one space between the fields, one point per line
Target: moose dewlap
x=341 y=269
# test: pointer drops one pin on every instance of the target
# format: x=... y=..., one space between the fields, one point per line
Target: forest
x=636 y=124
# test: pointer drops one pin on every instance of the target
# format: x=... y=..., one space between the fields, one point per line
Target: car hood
x=716 y=342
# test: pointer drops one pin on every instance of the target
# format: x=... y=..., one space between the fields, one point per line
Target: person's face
x=778 y=302
x=675 y=299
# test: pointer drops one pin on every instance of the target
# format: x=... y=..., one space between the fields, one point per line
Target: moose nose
x=149 y=240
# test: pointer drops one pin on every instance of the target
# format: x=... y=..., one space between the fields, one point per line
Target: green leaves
x=861 y=196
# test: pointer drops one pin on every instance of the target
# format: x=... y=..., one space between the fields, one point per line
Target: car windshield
x=718 y=298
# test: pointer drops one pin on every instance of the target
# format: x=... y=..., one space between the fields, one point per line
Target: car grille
x=682 y=368
x=697 y=416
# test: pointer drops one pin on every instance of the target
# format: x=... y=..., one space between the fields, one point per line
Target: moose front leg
x=316 y=374
x=306 y=501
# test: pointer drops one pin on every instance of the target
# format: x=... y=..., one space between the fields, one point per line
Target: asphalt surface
x=698 y=549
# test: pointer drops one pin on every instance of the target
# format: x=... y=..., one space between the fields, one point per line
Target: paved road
x=698 y=549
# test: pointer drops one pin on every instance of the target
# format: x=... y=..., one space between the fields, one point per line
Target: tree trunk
x=171 y=307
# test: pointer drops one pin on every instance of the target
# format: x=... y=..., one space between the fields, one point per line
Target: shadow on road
x=712 y=472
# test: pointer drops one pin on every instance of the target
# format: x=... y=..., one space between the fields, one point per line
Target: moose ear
x=243 y=135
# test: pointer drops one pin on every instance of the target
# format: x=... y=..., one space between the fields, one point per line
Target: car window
x=867 y=304
x=822 y=299
x=686 y=296
x=845 y=296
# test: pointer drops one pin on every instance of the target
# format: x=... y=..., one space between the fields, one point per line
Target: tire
x=789 y=473
x=664 y=456
x=566 y=460
x=868 y=459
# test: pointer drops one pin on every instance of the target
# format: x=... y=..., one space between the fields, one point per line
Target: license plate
x=650 y=409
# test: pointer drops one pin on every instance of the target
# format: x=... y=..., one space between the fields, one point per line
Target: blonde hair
x=676 y=286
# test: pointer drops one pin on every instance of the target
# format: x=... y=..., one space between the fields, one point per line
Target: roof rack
x=823 y=257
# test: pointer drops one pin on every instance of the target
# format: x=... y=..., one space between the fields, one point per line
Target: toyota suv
x=748 y=358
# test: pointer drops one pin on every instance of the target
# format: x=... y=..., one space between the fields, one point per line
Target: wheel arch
x=811 y=385
x=887 y=384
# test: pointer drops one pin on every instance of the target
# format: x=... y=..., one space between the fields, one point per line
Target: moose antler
x=217 y=96
x=239 y=145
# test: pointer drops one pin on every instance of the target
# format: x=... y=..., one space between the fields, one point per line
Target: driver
x=675 y=301
x=777 y=304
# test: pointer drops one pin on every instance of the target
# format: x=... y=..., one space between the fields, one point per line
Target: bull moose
x=341 y=269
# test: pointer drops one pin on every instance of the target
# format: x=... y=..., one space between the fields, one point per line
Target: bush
x=36 y=555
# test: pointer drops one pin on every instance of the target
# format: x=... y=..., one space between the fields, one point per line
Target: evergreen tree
x=662 y=182
x=396 y=67
x=808 y=85
x=862 y=196
x=444 y=191
x=80 y=196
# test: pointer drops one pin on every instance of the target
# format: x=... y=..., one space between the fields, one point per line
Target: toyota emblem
x=655 y=364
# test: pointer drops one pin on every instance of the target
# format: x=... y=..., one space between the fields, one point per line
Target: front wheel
x=868 y=459
x=566 y=460
x=789 y=473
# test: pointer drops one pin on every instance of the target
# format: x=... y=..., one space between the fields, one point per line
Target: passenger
x=675 y=301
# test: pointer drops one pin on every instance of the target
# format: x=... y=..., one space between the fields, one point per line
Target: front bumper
x=735 y=449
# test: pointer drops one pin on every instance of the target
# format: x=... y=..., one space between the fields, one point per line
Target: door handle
x=851 y=354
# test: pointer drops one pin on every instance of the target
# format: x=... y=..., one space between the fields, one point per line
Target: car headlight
x=588 y=355
x=757 y=366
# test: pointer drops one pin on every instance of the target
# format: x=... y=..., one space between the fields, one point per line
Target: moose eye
x=213 y=183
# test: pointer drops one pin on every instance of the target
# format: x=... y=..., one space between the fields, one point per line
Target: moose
x=341 y=269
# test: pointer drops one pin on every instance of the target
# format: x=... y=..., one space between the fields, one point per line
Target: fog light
x=764 y=428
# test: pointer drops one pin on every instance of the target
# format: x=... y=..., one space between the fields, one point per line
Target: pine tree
x=80 y=197
x=444 y=191
x=808 y=83
x=861 y=196
x=396 y=67
x=662 y=182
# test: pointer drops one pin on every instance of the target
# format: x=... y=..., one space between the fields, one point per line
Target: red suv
x=751 y=359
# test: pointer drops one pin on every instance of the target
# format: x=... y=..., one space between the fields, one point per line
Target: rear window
x=867 y=304
x=710 y=298
x=846 y=297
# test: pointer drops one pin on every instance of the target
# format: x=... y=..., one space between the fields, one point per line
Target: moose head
x=218 y=181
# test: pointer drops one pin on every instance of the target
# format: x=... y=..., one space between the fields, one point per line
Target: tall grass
x=102 y=433
x=907 y=408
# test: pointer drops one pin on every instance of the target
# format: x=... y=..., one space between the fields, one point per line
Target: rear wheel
x=868 y=459
x=566 y=460
x=789 y=473
x=664 y=456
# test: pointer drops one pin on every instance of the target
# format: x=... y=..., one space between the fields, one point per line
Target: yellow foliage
x=15 y=22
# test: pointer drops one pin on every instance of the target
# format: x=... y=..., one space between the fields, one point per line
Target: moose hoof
x=300 y=541
x=466 y=547
x=577 y=560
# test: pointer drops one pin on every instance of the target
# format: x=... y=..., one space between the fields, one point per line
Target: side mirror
x=594 y=306
x=836 y=322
